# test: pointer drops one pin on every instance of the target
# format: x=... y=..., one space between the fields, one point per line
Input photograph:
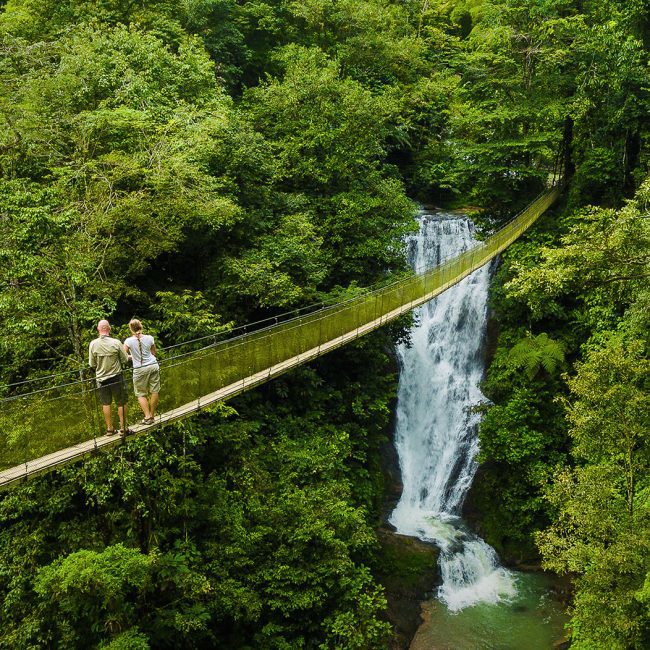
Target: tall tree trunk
x=632 y=154
x=567 y=148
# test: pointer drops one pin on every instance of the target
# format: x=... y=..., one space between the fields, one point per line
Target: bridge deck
x=76 y=451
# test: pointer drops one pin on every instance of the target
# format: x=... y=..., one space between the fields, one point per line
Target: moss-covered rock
x=408 y=570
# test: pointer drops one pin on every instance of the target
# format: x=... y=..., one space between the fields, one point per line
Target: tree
x=603 y=259
x=507 y=112
x=91 y=591
x=329 y=136
x=603 y=517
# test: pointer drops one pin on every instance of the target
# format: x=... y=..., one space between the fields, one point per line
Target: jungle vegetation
x=206 y=163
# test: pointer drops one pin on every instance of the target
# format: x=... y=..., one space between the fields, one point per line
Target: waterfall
x=436 y=426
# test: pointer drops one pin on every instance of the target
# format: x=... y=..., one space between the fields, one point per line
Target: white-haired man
x=107 y=357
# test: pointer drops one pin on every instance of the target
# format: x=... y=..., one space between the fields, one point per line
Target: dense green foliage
x=600 y=508
x=569 y=453
x=568 y=440
x=203 y=164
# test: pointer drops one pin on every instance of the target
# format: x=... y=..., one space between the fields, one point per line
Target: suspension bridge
x=52 y=426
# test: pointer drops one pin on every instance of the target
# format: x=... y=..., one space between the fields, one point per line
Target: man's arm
x=92 y=362
x=123 y=356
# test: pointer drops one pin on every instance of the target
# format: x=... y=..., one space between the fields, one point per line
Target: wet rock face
x=389 y=461
x=392 y=481
x=408 y=570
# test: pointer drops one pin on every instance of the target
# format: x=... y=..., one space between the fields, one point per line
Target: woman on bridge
x=141 y=348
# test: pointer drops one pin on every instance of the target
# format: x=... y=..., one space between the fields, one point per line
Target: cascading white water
x=436 y=431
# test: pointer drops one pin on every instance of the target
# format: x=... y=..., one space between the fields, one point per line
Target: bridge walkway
x=54 y=426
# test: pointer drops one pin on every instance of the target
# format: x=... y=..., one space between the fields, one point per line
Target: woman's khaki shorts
x=146 y=380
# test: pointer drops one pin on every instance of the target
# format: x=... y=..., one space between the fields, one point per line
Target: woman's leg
x=153 y=404
x=144 y=405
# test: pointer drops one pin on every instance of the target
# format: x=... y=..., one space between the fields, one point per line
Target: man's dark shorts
x=113 y=387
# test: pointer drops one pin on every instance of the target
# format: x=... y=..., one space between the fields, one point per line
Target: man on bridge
x=107 y=357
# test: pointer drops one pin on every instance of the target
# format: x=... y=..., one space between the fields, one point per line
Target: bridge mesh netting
x=51 y=419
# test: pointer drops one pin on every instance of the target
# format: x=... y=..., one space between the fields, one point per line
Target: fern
x=536 y=352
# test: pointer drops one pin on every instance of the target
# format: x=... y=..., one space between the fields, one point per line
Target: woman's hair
x=135 y=326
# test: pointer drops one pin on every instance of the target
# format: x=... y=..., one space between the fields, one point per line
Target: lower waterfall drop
x=436 y=427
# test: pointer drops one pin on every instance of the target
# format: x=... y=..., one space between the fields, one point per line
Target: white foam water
x=436 y=425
